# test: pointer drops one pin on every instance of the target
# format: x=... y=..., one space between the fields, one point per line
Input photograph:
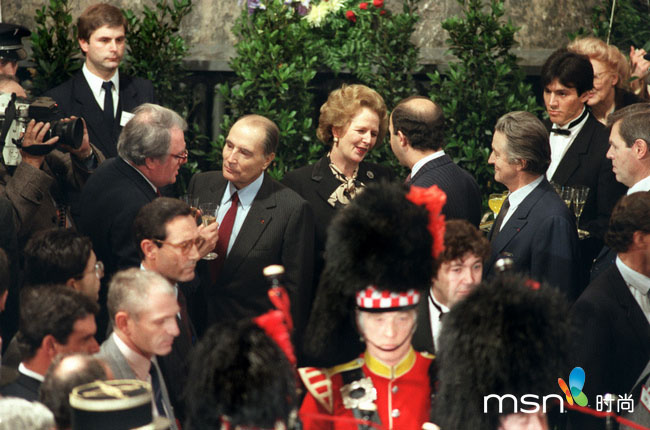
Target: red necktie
x=225 y=229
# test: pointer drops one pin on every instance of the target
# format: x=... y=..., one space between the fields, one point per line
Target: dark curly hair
x=462 y=237
x=238 y=372
x=631 y=213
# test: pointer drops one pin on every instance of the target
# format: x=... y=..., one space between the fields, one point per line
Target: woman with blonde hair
x=611 y=76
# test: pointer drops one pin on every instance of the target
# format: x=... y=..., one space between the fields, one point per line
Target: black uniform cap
x=11 y=46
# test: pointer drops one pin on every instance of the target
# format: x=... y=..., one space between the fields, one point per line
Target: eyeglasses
x=182 y=156
x=185 y=246
x=98 y=270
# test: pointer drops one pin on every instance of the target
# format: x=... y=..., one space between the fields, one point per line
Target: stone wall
x=544 y=26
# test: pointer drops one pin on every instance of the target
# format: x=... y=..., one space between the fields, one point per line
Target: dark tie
x=108 y=103
x=184 y=323
x=407 y=181
x=225 y=229
x=157 y=392
x=499 y=220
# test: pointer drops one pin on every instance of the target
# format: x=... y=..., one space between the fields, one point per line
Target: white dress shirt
x=642 y=185
x=95 y=84
x=639 y=285
x=560 y=144
x=417 y=166
x=516 y=197
x=434 y=317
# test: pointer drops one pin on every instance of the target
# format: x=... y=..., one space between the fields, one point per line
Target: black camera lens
x=70 y=133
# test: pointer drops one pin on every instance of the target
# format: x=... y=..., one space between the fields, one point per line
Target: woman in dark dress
x=352 y=121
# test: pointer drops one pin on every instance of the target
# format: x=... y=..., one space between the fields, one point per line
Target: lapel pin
x=370 y=174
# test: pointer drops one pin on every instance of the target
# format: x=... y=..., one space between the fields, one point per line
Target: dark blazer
x=278 y=229
x=585 y=163
x=110 y=200
x=613 y=343
x=463 y=194
x=24 y=387
x=542 y=238
x=74 y=97
x=422 y=339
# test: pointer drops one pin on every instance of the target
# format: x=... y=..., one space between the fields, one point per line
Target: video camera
x=16 y=112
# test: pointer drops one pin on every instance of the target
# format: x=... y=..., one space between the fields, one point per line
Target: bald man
x=417 y=128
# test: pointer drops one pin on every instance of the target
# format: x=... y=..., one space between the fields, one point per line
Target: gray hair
x=129 y=291
x=148 y=133
x=18 y=413
x=635 y=126
x=527 y=140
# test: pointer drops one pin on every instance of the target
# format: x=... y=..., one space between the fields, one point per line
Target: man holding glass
x=261 y=222
x=534 y=226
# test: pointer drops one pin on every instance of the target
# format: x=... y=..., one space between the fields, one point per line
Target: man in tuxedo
x=261 y=222
x=53 y=320
x=99 y=93
x=613 y=313
x=534 y=225
x=458 y=270
x=169 y=243
x=417 y=128
x=579 y=142
x=143 y=309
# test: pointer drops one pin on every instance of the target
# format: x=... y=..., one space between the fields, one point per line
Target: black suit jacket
x=24 y=387
x=422 y=339
x=110 y=200
x=463 y=194
x=74 y=97
x=542 y=238
x=613 y=343
x=278 y=229
x=585 y=164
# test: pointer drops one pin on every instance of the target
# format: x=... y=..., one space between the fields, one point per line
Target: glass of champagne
x=209 y=216
x=193 y=202
x=495 y=202
x=580 y=194
x=567 y=196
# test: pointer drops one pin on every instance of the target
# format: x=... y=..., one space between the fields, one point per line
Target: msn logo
x=530 y=403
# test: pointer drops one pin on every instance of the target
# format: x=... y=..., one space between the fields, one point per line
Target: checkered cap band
x=371 y=298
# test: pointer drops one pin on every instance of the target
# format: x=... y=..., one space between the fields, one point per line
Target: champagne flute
x=567 y=196
x=209 y=216
x=193 y=203
x=580 y=194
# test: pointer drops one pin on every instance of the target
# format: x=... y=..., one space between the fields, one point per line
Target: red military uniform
x=403 y=392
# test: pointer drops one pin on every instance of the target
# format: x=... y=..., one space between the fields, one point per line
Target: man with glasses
x=170 y=243
x=151 y=149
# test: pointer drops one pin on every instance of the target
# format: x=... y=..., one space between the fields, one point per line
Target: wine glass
x=193 y=203
x=567 y=196
x=495 y=201
x=209 y=216
x=580 y=194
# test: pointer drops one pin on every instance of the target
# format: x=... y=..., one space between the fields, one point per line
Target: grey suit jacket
x=111 y=355
x=279 y=229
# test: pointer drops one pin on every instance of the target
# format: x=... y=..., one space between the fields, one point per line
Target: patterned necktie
x=109 y=117
x=497 y=223
x=225 y=230
x=157 y=391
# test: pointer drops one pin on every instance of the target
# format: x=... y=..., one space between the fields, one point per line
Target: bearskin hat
x=509 y=336
x=381 y=239
x=240 y=377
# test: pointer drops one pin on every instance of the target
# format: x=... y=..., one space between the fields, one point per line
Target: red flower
x=351 y=16
x=433 y=199
x=363 y=5
x=383 y=12
x=378 y=3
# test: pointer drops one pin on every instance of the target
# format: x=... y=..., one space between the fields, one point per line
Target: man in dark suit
x=261 y=223
x=578 y=141
x=458 y=270
x=99 y=93
x=613 y=313
x=170 y=244
x=534 y=225
x=54 y=320
x=143 y=309
x=416 y=138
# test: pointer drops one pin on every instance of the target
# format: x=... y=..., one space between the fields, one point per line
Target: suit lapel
x=637 y=321
x=422 y=336
x=93 y=113
x=322 y=175
x=573 y=157
x=258 y=218
x=138 y=180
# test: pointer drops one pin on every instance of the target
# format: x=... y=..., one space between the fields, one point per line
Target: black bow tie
x=567 y=131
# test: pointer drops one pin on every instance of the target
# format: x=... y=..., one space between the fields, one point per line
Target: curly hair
x=461 y=238
x=596 y=49
x=343 y=103
x=631 y=214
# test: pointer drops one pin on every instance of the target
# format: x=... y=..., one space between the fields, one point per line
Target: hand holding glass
x=209 y=216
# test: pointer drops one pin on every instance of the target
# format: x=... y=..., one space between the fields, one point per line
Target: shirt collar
x=417 y=166
x=516 y=197
x=391 y=372
x=642 y=185
x=138 y=363
x=632 y=278
x=576 y=124
x=25 y=371
x=95 y=82
x=246 y=194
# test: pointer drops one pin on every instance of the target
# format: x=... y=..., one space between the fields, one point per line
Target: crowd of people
x=399 y=306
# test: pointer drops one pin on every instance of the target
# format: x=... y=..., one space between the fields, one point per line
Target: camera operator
x=41 y=184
